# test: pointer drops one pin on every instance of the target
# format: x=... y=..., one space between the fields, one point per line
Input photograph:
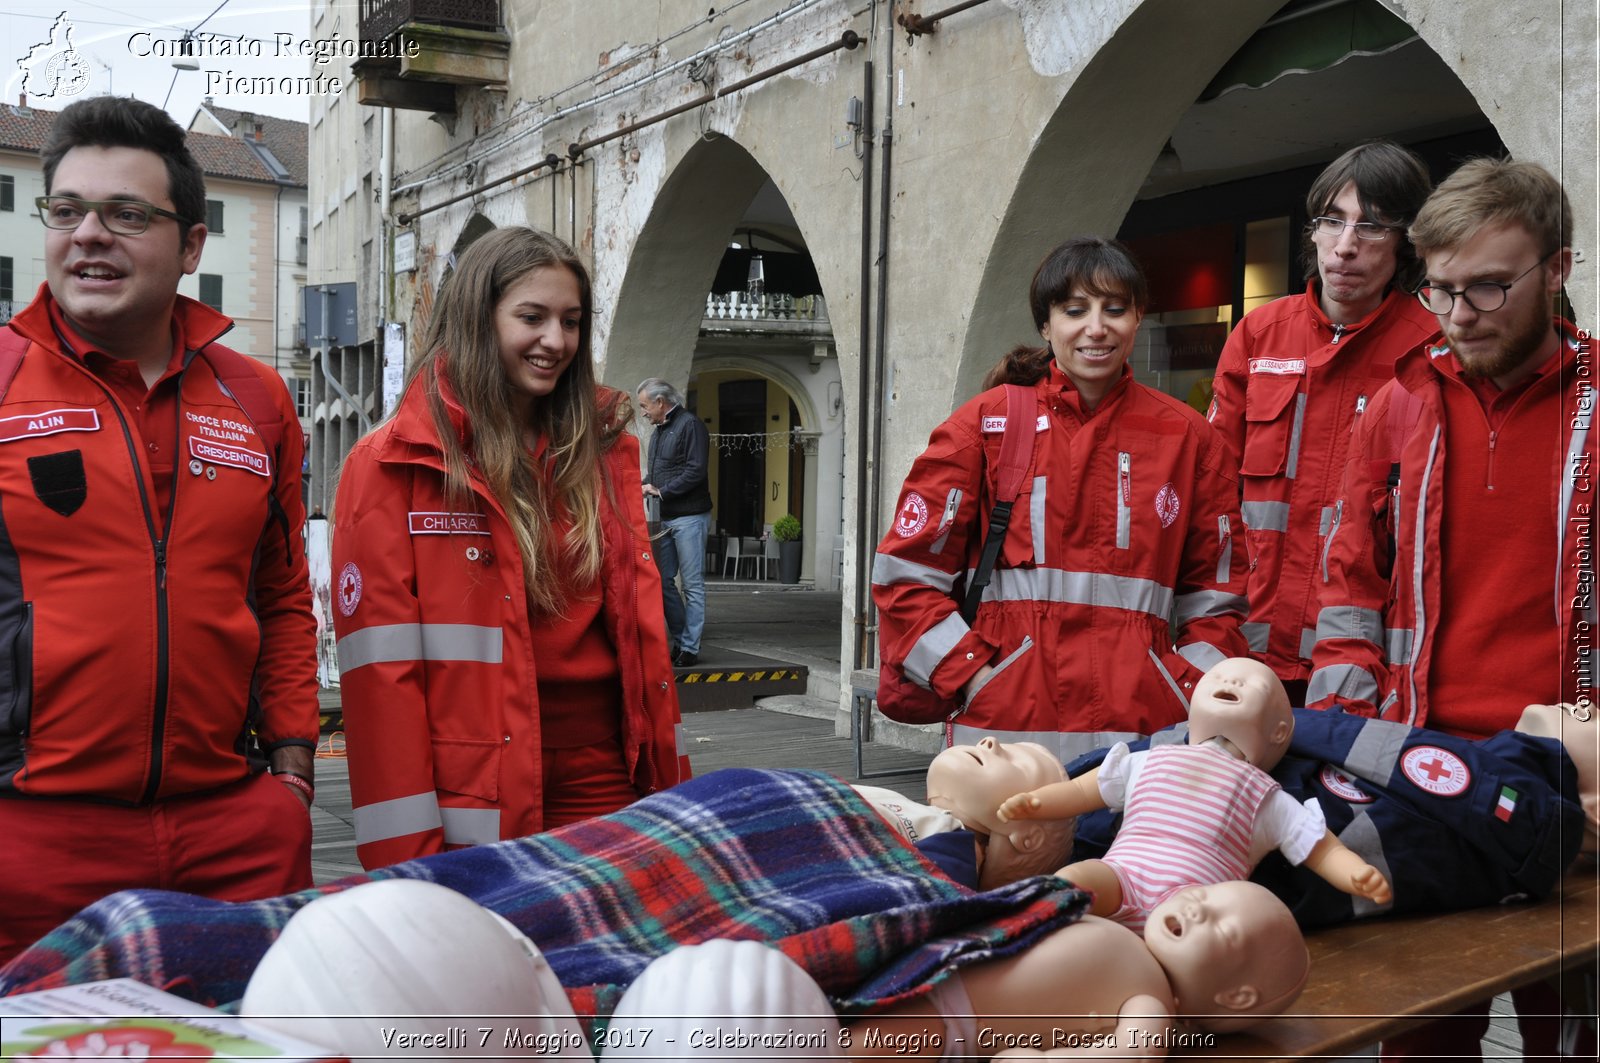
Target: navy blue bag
x=1453 y=823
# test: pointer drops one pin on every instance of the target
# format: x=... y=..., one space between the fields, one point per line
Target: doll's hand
x=1018 y=806
x=1369 y=882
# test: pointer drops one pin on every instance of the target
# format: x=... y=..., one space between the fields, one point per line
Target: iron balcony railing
x=381 y=19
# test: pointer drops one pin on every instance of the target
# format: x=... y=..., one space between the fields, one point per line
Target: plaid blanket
x=796 y=859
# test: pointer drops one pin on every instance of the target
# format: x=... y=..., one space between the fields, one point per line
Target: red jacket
x=1126 y=527
x=1375 y=646
x=140 y=647
x=1287 y=390
x=438 y=669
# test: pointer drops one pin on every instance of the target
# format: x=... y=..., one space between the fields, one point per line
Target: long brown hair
x=1096 y=264
x=463 y=353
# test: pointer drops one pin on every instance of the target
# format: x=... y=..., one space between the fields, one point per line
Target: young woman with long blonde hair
x=503 y=656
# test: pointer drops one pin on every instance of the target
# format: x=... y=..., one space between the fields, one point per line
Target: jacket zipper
x=1124 y=499
x=1488 y=484
x=1338 y=332
x=1361 y=408
x=1225 y=550
x=158 y=544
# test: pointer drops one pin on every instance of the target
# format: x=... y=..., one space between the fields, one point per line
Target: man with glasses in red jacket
x=1460 y=563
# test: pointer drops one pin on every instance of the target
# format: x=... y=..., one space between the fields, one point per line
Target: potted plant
x=786 y=529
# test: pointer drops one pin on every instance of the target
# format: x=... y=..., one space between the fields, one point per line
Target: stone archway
x=1079 y=179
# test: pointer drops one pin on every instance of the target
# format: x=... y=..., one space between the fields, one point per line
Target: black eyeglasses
x=125 y=217
x=1365 y=230
x=1484 y=296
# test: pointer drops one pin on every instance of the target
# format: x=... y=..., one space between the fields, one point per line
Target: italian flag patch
x=1507 y=803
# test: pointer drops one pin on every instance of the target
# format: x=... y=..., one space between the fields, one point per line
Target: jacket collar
x=1325 y=325
x=1435 y=361
x=199 y=325
x=1055 y=382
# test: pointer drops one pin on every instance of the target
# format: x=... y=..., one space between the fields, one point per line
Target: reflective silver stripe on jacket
x=382 y=820
x=1293 y=464
x=1224 y=549
x=1265 y=516
x=1202 y=655
x=1418 y=556
x=419 y=642
x=1308 y=642
x=1345 y=680
x=1256 y=633
x=1173 y=683
x=1350 y=622
x=888 y=570
x=470 y=826
x=1376 y=750
x=933 y=647
x=1080 y=588
x=1067 y=746
x=1196 y=604
x=1036 y=519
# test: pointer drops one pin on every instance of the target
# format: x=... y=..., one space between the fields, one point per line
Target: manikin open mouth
x=1174 y=925
x=1226 y=695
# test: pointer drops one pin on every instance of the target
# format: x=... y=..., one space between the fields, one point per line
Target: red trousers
x=242 y=842
x=581 y=782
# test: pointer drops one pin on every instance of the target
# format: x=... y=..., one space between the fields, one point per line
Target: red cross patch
x=1438 y=771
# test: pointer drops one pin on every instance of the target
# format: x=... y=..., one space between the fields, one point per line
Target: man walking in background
x=680 y=449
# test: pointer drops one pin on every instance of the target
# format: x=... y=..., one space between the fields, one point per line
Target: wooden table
x=1373 y=978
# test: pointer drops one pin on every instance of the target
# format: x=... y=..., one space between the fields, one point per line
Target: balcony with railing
x=771 y=311
x=430 y=50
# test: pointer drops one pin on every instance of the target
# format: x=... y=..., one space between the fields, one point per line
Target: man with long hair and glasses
x=1295 y=373
x=1460 y=571
x=157 y=648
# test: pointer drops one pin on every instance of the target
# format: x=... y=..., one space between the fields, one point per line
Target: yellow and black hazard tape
x=765 y=675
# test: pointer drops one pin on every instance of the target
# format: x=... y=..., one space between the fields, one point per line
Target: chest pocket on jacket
x=1273 y=411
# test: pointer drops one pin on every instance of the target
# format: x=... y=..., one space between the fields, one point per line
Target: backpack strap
x=1016 y=448
x=13 y=345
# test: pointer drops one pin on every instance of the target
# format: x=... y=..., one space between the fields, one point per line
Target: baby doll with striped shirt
x=1203 y=812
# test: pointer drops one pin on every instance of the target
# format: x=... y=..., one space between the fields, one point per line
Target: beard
x=1524 y=341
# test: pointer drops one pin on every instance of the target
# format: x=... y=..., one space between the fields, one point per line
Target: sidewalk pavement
x=792 y=624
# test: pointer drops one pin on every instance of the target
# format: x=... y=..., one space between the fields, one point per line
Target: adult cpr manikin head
x=418 y=960
x=1243 y=702
x=970 y=782
x=744 y=986
x=1232 y=952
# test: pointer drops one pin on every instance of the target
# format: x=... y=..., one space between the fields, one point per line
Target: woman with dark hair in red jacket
x=1122 y=575
x=502 y=650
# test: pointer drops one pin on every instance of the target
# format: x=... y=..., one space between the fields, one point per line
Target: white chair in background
x=730 y=557
x=838 y=561
x=749 y=550
x=769 y=558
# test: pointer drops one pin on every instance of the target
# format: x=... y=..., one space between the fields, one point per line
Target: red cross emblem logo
x=913 y=516
x=349 y=588
x=1438 y=771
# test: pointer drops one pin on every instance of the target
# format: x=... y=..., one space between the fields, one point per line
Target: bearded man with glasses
x=1460 y=578
x=157 y=647
x=1295 y=373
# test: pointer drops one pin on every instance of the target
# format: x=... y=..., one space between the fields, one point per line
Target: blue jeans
x=681 y=552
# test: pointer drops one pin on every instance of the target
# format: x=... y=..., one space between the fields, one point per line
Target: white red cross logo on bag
x=1438 y=771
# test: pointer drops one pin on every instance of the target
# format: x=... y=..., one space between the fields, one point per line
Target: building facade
x=242 y=208
x=919 y=158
